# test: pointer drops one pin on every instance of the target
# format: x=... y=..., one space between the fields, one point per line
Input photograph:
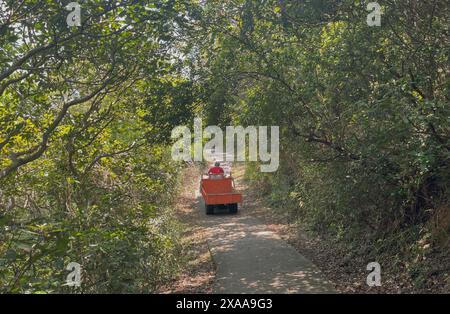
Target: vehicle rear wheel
x=233 y=208
x=209 y=209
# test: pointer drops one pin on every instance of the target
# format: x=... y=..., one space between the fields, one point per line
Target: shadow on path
x=250 y=258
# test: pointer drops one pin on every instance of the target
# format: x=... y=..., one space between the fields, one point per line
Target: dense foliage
x=83 y=177
x=86 y=114
x=363 y=112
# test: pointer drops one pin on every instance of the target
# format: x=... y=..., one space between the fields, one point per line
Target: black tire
x=233 y=208
x=209 y=209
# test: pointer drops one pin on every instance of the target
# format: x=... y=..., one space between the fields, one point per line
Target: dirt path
x=238 y=253
x=251 y=258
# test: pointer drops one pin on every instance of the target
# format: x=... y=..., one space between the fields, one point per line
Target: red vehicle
x=218 y=192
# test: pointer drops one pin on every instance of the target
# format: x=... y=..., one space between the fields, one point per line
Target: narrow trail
x=251 y=258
